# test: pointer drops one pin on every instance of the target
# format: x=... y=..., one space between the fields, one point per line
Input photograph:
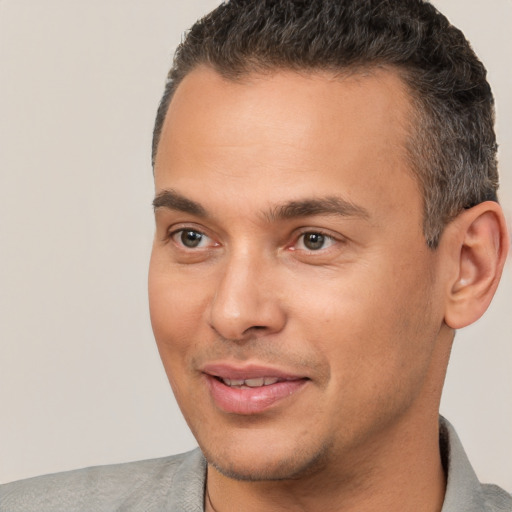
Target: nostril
x=255 y=328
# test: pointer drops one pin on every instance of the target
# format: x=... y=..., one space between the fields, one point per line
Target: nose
x=247 y=301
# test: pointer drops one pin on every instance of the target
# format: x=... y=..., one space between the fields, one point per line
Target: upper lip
x=249 y=371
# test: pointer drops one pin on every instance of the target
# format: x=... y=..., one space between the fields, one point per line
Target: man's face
x=296 y=306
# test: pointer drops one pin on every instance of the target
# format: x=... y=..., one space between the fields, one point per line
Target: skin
x=360 y=316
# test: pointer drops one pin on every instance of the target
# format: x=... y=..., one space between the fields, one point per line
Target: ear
x=479 y=245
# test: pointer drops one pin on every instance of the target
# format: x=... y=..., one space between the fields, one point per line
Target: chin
x=268 y=465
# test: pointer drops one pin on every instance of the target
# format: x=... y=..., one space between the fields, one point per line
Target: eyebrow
x=331 y=205
x=174 y=201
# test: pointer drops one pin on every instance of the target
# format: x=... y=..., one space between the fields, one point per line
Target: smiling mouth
x=253 y=394
x=250 y=383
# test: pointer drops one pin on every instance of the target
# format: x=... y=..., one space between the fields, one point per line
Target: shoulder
x=142 y=485
x=496 y=499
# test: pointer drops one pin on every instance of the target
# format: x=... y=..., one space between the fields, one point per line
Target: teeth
x=251 y=383
x=234 y=382
x=254 y=383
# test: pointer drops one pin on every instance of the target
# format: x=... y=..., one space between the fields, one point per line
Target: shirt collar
x=463 y=490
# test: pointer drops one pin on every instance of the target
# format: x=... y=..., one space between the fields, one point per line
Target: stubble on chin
x=297 y=466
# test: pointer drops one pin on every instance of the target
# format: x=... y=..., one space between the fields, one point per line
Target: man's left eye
x=314 y=241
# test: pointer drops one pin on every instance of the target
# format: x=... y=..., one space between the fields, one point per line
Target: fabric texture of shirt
x=177 y=484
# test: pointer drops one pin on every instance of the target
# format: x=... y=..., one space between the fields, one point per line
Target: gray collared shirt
x=464 y=493
x=176 y=484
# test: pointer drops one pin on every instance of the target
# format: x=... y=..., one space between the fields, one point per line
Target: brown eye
x=190 y=238
x=313 y=241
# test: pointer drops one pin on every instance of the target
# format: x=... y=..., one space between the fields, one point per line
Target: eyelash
x=328 y=238
x=172 y=235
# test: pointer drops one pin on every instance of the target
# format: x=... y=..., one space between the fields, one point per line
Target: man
x=326 y=218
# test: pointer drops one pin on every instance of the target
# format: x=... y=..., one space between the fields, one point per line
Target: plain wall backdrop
x=80 y=379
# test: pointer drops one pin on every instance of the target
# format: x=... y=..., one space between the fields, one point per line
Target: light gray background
x=80 y=378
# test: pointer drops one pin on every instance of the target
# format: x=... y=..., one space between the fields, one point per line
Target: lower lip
x=251 y=400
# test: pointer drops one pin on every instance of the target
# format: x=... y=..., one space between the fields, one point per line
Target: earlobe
x=480 y=245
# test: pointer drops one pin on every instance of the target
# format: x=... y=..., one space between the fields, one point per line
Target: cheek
x=374 y=323
x=176 y=309
x=174 y=319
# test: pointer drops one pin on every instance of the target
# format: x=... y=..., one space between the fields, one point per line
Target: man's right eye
x=190 y=238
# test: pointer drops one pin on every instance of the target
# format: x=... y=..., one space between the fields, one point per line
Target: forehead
x=327 y=97
x=265 y=132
